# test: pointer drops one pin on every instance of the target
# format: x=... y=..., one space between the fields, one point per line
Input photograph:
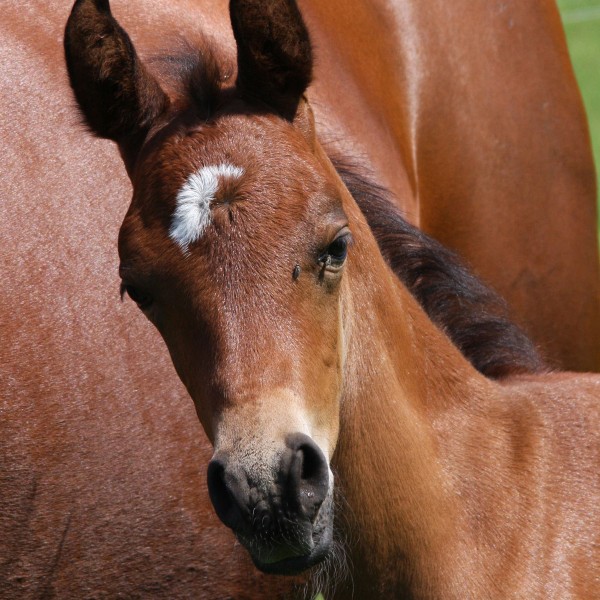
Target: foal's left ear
x=274 y=53
x=118 y=97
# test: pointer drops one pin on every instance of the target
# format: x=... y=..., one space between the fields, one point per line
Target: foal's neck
x=401 y=374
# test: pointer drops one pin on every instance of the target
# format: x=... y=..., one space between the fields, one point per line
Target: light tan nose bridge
x=255 y=432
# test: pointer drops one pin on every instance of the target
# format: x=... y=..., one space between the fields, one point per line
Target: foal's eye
x=335 y=254
x=142 y=299
x=338 y=249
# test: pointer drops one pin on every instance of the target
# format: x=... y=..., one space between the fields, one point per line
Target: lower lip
x=287 y=566
x=297 y=564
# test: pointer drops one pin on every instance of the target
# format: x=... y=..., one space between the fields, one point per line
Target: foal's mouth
x=286 y=560
x=284 y=518
x=292 y=556
x=293 y=565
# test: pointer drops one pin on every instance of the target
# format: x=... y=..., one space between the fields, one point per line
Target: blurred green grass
x=581 y=19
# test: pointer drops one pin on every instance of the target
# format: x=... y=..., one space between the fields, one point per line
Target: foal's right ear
x=118 y=97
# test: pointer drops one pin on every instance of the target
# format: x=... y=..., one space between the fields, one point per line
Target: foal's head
x=235 y=246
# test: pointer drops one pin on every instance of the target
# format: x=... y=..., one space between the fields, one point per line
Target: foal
x=305 y=354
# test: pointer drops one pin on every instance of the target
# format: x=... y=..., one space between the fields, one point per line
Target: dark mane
x=473 y=316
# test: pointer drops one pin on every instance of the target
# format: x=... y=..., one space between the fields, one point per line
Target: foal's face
x=234 y=247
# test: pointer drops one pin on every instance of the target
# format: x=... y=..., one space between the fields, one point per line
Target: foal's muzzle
x=284 y=519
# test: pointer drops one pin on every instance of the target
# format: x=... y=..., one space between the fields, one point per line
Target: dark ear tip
x=73 y=23
x=86 y=16
x=100 y=5
x=274 y=51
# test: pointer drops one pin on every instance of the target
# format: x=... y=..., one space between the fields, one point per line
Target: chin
x=294 y=565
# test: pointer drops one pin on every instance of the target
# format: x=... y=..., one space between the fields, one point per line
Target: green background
x=581 y=19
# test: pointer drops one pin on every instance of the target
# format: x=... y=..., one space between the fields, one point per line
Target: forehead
x=237 y=159
x=242 y=177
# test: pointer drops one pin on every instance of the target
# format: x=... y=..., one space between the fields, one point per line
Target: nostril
x=308 y=475
x=217 y=490
x=221 y=495
x=313 y=463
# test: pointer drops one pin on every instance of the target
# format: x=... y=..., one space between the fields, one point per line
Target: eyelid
x=342 y=232
x=143 y=299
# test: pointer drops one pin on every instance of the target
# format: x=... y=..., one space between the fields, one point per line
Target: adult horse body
x=303 y=351
x=102 y=486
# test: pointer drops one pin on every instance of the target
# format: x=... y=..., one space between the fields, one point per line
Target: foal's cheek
x=208 y=412
x=188 y=360
x=323 y=381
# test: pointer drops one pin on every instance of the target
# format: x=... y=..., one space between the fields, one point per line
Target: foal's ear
x=119 y=99
x=273 y=52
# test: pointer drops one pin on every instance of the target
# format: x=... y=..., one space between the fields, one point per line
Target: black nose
x=302 y=485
